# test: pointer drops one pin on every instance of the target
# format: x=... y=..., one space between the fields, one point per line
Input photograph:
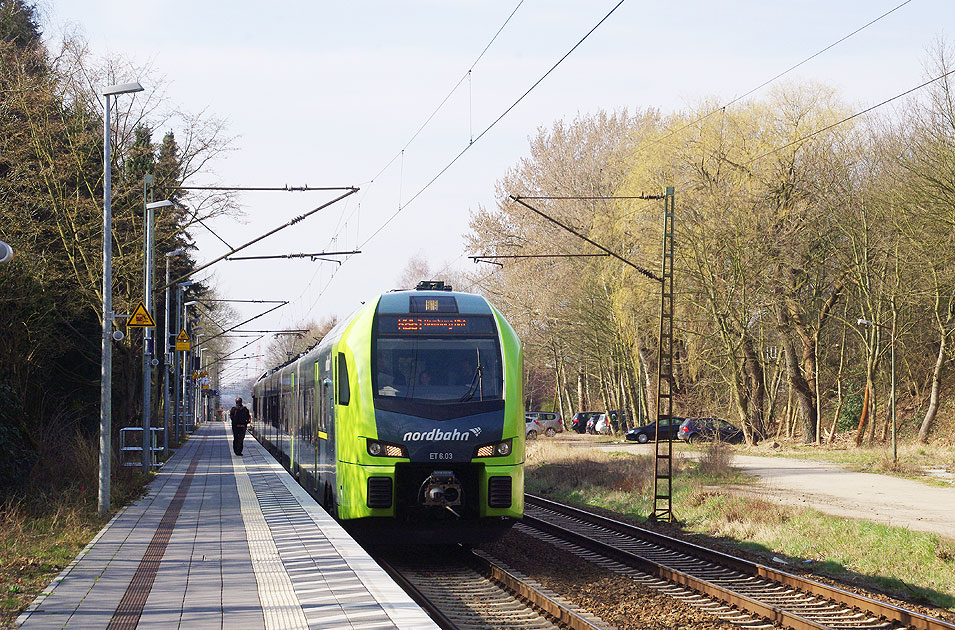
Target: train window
x=448 y=370
x=344 y=393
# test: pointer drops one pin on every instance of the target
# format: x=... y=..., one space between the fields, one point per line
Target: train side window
x=344 y=393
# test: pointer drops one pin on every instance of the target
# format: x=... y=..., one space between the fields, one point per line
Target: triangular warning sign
x=182 y=341
x=182 y=337
x=140 y=318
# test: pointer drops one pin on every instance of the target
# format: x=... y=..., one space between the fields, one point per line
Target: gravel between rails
x=616 y=599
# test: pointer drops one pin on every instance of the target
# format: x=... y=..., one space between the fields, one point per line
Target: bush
x=851 y=411
x=716 y=460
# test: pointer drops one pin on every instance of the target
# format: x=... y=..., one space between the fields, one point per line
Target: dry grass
x=716 y=460
x=41 y=533
x=915 y=566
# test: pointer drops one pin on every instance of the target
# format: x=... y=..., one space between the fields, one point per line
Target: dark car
x=709 y=429
x=649 y=431
x=579 y=422
x=617 y=417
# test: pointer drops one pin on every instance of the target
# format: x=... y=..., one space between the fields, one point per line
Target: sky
x=329 y=93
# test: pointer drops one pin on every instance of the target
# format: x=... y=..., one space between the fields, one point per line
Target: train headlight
x=495 y=449
x=384 y=449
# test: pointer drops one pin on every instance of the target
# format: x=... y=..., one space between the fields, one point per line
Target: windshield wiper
x=473 y=387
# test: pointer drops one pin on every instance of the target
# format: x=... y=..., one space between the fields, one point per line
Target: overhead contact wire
x=492 y=125
x=783 y=73
x=847 y=118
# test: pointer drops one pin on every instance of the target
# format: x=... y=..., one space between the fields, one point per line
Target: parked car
x=648 y=432
x=709 y=429
x=532 y=428
x=617 y=418
x=579 y=422
x=602 y=425
x=552 y=423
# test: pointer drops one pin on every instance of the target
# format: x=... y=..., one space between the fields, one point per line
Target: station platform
x=222 y=541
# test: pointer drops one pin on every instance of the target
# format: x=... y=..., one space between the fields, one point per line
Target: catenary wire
x=445 y=100
x=847 y=118
x=781 y=74
x=492 y=125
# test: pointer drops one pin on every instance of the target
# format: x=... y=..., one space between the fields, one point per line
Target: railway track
x=469 y=590
x=778 y=597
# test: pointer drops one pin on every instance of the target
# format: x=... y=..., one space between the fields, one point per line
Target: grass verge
x=913 y=566
x=42 y=533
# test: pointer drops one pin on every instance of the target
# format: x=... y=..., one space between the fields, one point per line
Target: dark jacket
x=240 y=417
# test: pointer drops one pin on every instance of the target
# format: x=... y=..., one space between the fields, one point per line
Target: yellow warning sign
x=140 y=318
x=182 y=341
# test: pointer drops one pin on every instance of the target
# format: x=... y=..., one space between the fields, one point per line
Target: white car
x=602 y=425
x=533 y=428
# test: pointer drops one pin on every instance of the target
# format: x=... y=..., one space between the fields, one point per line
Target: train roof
x=402 y=302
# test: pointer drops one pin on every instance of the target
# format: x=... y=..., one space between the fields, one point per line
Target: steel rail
x=525 y=595
x=419 y=598
x=852 y=600
x=556 y=610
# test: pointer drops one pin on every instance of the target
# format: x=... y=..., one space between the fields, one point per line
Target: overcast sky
x=326 y=94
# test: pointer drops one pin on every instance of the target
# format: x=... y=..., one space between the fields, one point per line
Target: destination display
x=435 y=325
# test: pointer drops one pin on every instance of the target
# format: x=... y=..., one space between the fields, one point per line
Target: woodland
x=794 y=219
x=51 y=213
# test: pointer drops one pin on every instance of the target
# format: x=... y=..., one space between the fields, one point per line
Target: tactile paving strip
x=130 y=609
x=280 y=605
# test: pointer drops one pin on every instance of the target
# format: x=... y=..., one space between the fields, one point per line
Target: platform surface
x=222 y=541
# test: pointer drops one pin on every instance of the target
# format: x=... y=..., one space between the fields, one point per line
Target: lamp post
x=106 y=371
x=179 y=288
x=180 y=251
x=148 y=334
x=865 y=322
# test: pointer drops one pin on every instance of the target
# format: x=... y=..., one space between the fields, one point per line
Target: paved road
x=831 y=489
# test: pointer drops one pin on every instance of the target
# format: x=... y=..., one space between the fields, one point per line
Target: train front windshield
x=437 y=359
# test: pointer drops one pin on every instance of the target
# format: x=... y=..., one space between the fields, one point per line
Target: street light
x=179 y=251
x=106 y=373
x=148 y=334
x=179 y=289
x=865 y=322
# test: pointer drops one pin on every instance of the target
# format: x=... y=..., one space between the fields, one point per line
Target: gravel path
x=831 y=489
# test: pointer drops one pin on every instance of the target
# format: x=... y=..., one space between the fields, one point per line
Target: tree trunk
x=753 y=369
x=801 y=388
x=864 y=415
x=581 y=406
x=936 y=384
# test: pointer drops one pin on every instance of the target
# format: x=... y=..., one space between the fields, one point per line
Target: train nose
x=442 y=488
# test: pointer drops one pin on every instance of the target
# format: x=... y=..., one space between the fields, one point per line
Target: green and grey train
x=406 y=421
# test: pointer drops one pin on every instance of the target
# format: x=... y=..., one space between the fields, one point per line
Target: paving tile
x=249 y=549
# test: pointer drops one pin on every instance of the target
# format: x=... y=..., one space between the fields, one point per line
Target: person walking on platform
x=240 y=422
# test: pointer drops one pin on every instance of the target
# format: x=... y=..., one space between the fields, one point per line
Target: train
x=406 y=420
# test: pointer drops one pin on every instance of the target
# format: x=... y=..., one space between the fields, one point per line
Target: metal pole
x=178 y=390
x=148 y=334
x=166 y=369
x=895 y=453
x=106 y=369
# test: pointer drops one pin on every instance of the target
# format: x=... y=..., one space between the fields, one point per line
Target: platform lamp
x=148 y=341
x=865 y=322
x=180 y=287
x=179 y=251
x=106 y=373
